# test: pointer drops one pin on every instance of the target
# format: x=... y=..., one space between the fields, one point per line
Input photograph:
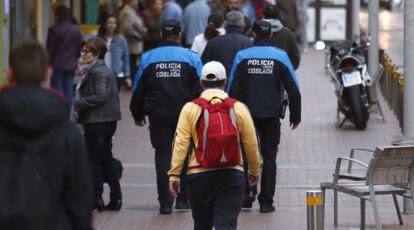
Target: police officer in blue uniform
x=167 y=78
x=255 y=79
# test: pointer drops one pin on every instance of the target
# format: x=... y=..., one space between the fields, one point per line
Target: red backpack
x=218 y=135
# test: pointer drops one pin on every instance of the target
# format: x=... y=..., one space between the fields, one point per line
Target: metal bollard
x=314 y=203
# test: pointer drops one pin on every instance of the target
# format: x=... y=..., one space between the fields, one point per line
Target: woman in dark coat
x=63 y=45
x=96 y=106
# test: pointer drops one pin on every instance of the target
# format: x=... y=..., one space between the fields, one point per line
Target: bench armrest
x=339 y=163
x=352 y=153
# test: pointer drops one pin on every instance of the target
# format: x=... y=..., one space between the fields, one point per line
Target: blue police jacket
x=256 y=78
x=167 y=78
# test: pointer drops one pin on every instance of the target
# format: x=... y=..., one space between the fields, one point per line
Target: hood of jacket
x=31 y=110
x=276 y=25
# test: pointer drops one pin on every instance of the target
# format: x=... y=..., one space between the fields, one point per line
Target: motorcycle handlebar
x=359 y=47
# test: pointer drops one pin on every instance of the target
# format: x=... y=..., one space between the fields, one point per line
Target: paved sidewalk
x=306 y=158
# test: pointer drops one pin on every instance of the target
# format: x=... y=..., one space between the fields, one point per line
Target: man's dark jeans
x=268 y=133
x=216 y=198
x=98 y=138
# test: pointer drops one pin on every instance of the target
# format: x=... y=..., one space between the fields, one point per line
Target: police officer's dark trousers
x=216 y=198
x=268 y=132
x=162 y=137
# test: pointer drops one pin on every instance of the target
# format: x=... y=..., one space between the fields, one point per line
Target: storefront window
x=90 y=14
x=90 y=9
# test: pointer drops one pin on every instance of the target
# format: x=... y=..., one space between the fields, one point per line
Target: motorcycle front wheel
x=359 y=114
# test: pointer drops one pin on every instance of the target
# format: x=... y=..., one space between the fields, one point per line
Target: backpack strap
x=203 y=115
x=215 y=98
x=201 y=102
x=230 y=101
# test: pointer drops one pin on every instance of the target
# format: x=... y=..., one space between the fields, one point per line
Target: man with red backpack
x=214 y=126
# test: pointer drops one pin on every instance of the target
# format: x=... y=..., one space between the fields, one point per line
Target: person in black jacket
x=282 y=37
x=255 y=79
x=167 y=78
x=33 y=116
x=290 y=9
x=223 y=48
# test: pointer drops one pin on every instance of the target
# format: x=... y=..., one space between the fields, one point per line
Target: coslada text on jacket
x=260 y=66
x=166 y=70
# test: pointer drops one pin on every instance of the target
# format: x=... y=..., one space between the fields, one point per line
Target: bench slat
x=364 y=189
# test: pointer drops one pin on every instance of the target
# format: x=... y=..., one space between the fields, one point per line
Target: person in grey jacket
x=116 y=57
x=133 y=28
x=97 y=108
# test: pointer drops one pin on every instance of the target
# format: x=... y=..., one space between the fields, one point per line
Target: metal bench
x=390 y=172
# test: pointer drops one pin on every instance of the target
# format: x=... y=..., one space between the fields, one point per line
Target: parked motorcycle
x=348 y=71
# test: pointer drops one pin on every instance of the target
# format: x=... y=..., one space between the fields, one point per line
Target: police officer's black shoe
x=165 y=210
x=267 y=208
x=248 y=200
x=114 y=205
x=99 y=204
x=247 y=204
x=182 y=205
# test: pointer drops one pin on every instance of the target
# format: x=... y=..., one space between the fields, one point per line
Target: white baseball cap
x=213 y=71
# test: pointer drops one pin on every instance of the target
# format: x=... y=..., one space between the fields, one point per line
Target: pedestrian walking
x=167 y=78
x=171 y=11
x=224 y=48
x=45 y=179
x=116 y=56
x=63 y=45
x=282 y=37
x=97 y=108
x=255 y=79
x=290 y=10
x=133 y=29
x=215 y=177
x=152 y=15
x=215 y=24
x=236 y=5
x=249 y=10
x=195 y=19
